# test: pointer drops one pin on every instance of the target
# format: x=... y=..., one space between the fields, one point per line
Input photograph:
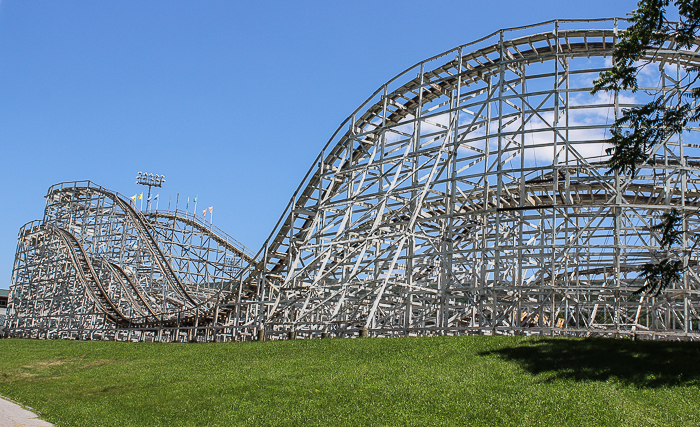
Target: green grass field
x=451 y=381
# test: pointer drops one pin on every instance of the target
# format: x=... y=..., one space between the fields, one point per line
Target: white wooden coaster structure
x=467 y=195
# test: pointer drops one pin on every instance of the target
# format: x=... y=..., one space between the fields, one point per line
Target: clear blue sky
x=230 y=100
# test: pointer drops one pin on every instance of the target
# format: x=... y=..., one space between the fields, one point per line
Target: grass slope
x=402 y=381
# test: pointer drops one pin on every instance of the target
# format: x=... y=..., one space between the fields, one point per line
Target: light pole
x=150 y=180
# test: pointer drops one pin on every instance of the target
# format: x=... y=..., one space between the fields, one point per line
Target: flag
x=187 y=207
x=211 y=208
x=195 y=199
x=133 y=198
x=140 y=197
x=204 y=212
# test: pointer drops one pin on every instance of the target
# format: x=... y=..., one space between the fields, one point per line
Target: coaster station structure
x=469 y=194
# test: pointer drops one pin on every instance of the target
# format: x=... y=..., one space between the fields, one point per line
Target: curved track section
x=137 y=271
x=137 y=225
x=87 y=275
x=469 y=195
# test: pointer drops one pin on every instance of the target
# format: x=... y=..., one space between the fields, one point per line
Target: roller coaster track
x=93 y=288
x=141 y=225
x=127 y=283
x=591 y=194
x=405 y=106
x=86 y=268
x=142 y=222
x=426 y=213
x=353 y=153
x=224 y=241
x=247 y=290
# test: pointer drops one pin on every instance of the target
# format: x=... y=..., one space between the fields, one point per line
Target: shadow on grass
x=648 y=364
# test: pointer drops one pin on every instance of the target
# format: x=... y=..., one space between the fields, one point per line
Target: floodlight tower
x=144 y=178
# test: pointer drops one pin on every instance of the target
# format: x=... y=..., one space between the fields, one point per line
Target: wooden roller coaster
x=469 y=194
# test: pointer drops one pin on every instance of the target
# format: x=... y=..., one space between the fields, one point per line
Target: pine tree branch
x=640 y=130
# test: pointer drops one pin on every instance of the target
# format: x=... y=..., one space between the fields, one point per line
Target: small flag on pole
x=204 y=212
x=211 y=208
x=133 y=198
x=140 y=197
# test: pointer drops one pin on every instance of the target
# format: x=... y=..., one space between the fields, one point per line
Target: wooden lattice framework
x=469 y=194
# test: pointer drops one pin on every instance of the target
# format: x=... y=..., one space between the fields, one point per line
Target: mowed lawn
x=452 y=381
